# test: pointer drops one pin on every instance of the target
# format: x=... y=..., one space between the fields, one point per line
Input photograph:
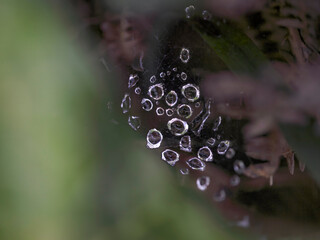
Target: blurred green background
x=66 y=171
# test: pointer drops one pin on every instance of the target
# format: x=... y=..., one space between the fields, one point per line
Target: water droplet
x=133 y=79
x=159 y=111
x=244 y=222
x=190 y=92
x=234 y=180
x=137 y=90
x=197 y=104
x=211 y=141
x=184 y=76
x=126 y=103
x=168 y=73
x=177 y=127
x=134 y=122
x=184 y=171
x=174 y=69
x=185 y=143
x=184 y=55
x=203 y=183
x=223 y=147
x=190 y=11
x=162 y=74
x=184 y=111
x=171 y=157
x=171 y=98
x=206 y=15
x=198 y=123
x=146 y=104
x=154 y=138
x=156 y=91
x=196 y=164
x=205 y=154
x=153 y=79
x=216 y=123
x=169 y=112
x=238 y=166
x=230 y=153
x=220 y=196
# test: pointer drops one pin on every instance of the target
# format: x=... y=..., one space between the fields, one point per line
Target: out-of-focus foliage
x=66 y=171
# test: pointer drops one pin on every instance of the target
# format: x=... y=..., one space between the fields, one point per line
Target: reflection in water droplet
x=171 y=157
x=216 y=123
x=184 y=111
x=219 y=196
x=184 y=76
x=174 y=69
x=244 y=222
x=184 y=171
x=206 y=15
x=146 y=104
x=184 y=55
x=154 y=138
x=234 y=180
x=230 y=153
x=238 y=166
x=156 y=91
x=196 y=164
x=203 y=183
x=177 y=127
x=133 y=79
x=223 y=147
x=198 y=123
x=153 y=79
x=190 y=92
x=211 y=141
x=171 y=98
x=126 y=103
x=159 y=111
x=169 y=112
x=185 y=143
x=162 y=74
x=205 y=154
x=134 y=122
x=137 y=90
x=190 y=11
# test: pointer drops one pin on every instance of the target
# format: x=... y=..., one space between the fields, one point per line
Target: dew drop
x=159 y=111
x=162 y=74
x=184 y=171
x=234 y=180
x=170 y=156
x=230 y=153
x=174 y=69
x=177 y=127
x=134 y=122
x=211 y=141
x=198 y=122
x=238 y=166
x=203 y=183
x=220 y=196
x=126 y=103
x=190 y=11
x=171 y=98
x=146 y=104
x=184 y=55
x=205 y=154
x=184 y=111
x=154 y=138
x=185 y=143
x=184 y=76
x=223 y=147
x=156 y=91
x=168 y=73
x=206 y=15
x=196 y=164
x=197 y=104
x=133 y=79
x=190 y=92
x=153 y=79
x=137 y=90
x=216 y=124
x=169 y=112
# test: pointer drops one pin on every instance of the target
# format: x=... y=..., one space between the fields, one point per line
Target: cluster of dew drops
x=182 y=124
